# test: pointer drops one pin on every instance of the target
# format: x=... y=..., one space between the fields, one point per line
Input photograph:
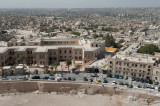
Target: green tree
x=110 y=29
x=55 y=65
x=21 y=58
x=68 y=29
x=68 y=62
x=149 y=49
x=76 y=33
x=97 y=36
x=14 y=58
x=110 y=41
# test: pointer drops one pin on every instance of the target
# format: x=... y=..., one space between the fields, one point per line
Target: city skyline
x=78 y=3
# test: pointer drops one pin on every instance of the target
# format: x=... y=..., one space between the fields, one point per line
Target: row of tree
x=149 y=49
x=55 y=65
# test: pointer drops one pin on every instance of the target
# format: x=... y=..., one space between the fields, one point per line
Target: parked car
x=138 y=86
x=142 y=80
x=152 y=87
x=117 y=76
x=51 y=78
x=64 y=78
x=36 y=77
x=126 y=83
x=91 y=80
x=98 y=81
x=85 y=79
x=59 y=79
x=73 y=79
x=126 y=78
x=121 y=77
x=94 y=75
x=158 y=89
x=137 y=79
x=150 y=82
x=45 y=78
x=25 y=78
x=114 y=82
x=105 y=81
x=69 y=79
x=121 y=83
x=133 y=79
x=130 y=86
x=156 y=83
x=109 y=75
x=12 y=79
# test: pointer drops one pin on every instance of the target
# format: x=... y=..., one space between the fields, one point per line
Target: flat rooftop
x=136 y=58
x=45 y=48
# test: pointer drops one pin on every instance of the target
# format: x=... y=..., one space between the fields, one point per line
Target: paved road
x=79 y=78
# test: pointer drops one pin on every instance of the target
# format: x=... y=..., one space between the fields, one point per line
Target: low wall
x=65 y=87
x=18 y=86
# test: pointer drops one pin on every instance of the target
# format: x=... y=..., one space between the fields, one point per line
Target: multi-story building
x=49 y=50
x=137 y=66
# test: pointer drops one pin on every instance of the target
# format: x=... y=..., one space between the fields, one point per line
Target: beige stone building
x=50 y=50
x=138 y=65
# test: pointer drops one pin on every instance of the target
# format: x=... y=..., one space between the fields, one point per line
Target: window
x=42 y=56
x=135 y=65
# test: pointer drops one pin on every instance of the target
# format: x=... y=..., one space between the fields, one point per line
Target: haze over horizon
x=77 y=3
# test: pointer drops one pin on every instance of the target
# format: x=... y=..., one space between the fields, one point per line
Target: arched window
x=80 y=58
x=76 y=57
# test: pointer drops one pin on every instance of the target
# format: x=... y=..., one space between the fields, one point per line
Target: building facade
x=53 y=50
x=136 y=66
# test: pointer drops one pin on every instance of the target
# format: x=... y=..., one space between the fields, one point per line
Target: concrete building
x=137 y=66
x=19 y=70
x=6 y=71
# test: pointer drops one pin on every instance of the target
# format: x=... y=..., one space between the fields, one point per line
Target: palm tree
x=68 y=62
x=55 y=66
x=14 y=58
x=21 y=58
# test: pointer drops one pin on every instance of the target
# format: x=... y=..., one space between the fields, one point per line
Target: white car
x=114 y=82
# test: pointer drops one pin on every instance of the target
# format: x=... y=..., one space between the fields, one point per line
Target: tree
x=110 y=41
x=14 y=58
x=149 y=49
x=68 y=62
x=97 y=36
x=76 y=33
x=68 y=29
x=55 y=65
x=21 y=58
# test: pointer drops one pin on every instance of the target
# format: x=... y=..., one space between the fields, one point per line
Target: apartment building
x=137 y=65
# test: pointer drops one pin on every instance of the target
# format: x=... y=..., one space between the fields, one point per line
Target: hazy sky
x=77 y=3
